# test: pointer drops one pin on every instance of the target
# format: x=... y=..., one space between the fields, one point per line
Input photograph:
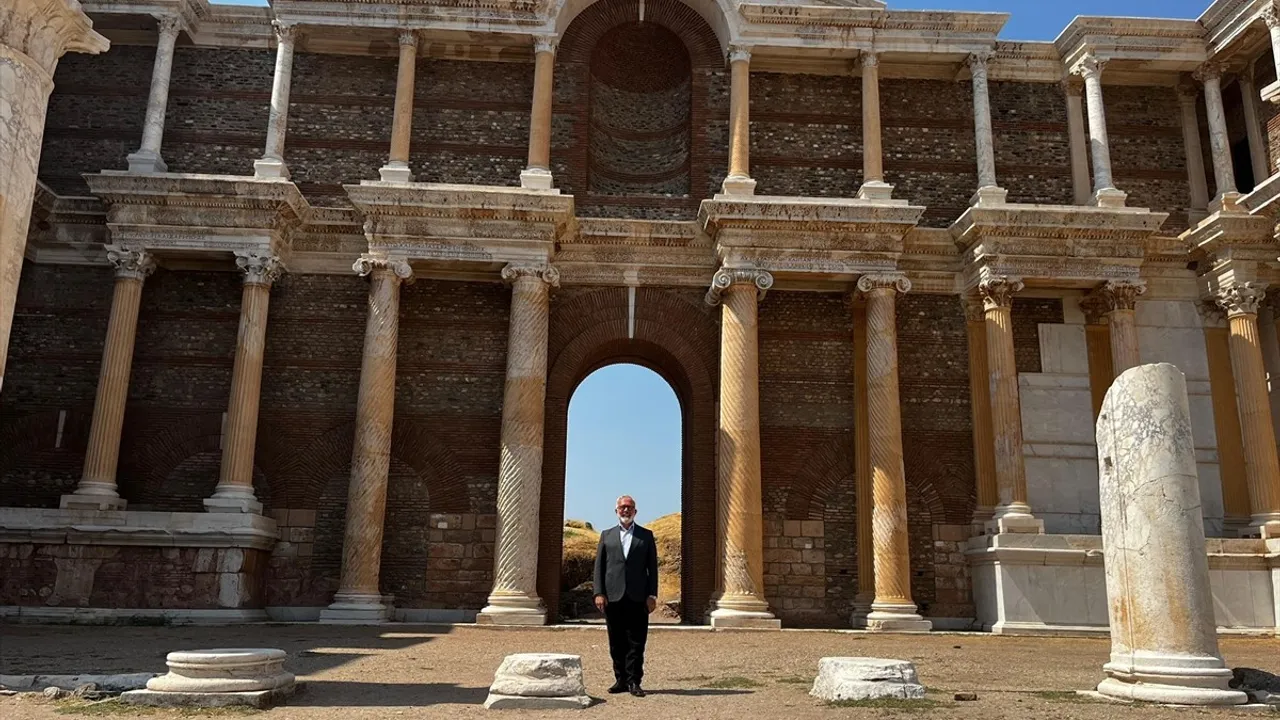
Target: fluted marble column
x=1074 y=93
x=271 y=164
x=1118 y=301
x=1012 y=513
x=866 y=593
x=359 y=597
x=397 y=167
x=234 y=492
x=147 y=158
x=1262 y=470
x=989 y=191
x=893 y=608
x=1105 y=193
x=514 y=600
x=741 y=601
x=1210 y=74
x=738 y=181
x=1187 y=96
x=984 y=460
x=97 y=488
x=1253 y=127
x=873 y=185
x=537 y=174
x=33 y=35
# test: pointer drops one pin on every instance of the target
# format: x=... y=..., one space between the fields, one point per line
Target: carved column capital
x=884 y=281
x=725 y=277
x=1241 y=299
x=869 y=58
x=998 y=292
x=1271 y=16
x=972 y=307
x=1211 y=70
x=544 y=272
x=1119 y=294
x=409 y=37
x=131 y=263
x=398 y=267
x=1188 y=93
x=260 y=269
x=169 y=25
x=284 y=32
x=1072 y=87
x=978 y=61
x=545 y=44
x=739 y=52
x=1089 y=67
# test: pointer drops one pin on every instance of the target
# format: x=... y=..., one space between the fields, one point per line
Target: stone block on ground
x=860 y=678
x=538 y=681
x=218 y=677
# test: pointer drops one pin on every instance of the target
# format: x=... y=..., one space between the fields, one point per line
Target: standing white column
x=397 y=167
x=1105 y=193
x=989 y=191
x=537 y=174
x=873 y=185
x=1187 y=95
x=147 y=158
x=271 y=164
x=738 y=181
x=1074 y=93
x=1224 y=176
x=1252 y=126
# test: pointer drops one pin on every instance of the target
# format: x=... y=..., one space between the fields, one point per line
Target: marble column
x=147 y=158
x=873 y=185
x=1074 y=93
x=1262 y=470
x=97 y=487
x=397 y=167
x=537 y=174
x=1253 y=127
x=738 y=181
x=984 y=460
x=359 y=597
x=989 y=191
x=1118 y=302
x=31 y=42
x=234 y=492
x=1187 y=96
x=1105 y=193
x=1271 y=16
x=1012 y=513
x=271 y=164
x=1210 y=74
x=514 y=599
x=866 y=593
x=739 y=512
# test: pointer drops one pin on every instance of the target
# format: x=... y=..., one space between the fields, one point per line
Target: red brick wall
x=1148 y=157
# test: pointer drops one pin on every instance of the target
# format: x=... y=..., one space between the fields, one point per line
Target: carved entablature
x=727 y=277
x=1133 y=45
x=461 y=226
x=609 y=251
x=1232 y=248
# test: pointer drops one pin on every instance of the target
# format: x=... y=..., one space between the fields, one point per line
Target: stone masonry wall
x=1148 y=157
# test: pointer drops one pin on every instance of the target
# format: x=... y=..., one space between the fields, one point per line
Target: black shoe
x=637 y=690
x=618 y=687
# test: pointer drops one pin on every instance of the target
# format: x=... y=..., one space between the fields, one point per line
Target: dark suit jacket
x=635 y=576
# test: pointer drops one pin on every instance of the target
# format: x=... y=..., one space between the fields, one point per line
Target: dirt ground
x=443 y=672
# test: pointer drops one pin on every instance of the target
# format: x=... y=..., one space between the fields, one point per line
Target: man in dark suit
x=626 y=589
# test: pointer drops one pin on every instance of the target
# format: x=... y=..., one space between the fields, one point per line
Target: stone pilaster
x=862 y=470
x=989 y=191
x=147 y=158
x=33 y=36
x=873 y=185
x=738 y=181
x=397 y=167
x=97 y=487
x=1118 y=301
x=1210 y=75
x=271 y=164
x=1105 y=193
x=537 y=175
x=234 y=492
x=1012 y=513
x=984 y=461
x=1262 y=470
x=1187 y=96
x=1074 y=93
x=359 y=598
x=514 y=600
x=740 y=602
x=893 y=608
x=1253 y=127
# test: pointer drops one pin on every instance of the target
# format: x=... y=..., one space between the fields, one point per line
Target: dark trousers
x=628 y=623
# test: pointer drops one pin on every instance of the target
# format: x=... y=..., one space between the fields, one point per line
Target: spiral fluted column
x=862 y=469
x=741 y=601
x=234 y=492
x=984 y=460
x=359 y=598
x=514 y=599
x=97 y=487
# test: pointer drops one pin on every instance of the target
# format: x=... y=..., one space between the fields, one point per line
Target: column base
x=355 y=609
x=738 y=185
x=1014 y=524
x=270 y=168
x=1264 y=526
x=1109 y=198
x=989 y=196
x=861 y=608
x=86 y=501
x=889 y=617
x=1225 y=202
x=875 y=190
x=232 y=504
x=399 y=172
x=744 y=619
x=145 y=162
x=1172 y=679
x=499 y=615
x=536 y=179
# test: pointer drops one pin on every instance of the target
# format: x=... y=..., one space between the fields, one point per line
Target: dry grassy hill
x=580 y=541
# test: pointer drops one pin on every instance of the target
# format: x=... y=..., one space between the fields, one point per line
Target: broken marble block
x=859 y=678
x=218 y=678
x=538 y=681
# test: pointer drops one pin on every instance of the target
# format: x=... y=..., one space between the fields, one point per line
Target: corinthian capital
x=259 y=269
x=169 y=25
x=884 y=281
x=285 y=32
x=409 y=37
x=130 y=263
x=1271 y=16
x=548 y=274
x=998 y=292
x=869 y=58
x=1211 y=70
x=1089 y=67
x=1119 y=295
x=1241 y=299
x=398 y=267
x=545 y=44
x=726 y=277
x=739 y=52
x=972 y=307
x=978 y=61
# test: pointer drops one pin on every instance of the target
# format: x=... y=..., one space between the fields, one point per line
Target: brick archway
x=676 y=336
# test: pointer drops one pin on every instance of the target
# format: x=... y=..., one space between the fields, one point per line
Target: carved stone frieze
x=260 y=269
x=130 y=262
x=726 y=277
x=998 y=292
x=1243 y=299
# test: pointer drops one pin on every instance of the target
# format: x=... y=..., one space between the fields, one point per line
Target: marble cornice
x=1173 y=44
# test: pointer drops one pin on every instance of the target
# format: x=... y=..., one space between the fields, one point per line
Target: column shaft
x=872 y=152
x=982 y=121
x=1253 y=127
x=1098 y=142
x=1219 y=143
x=739 y=180
x=272 y=164
x=862 y=469
x=147 y=159
x=980 y=410
x=1262 y=471
x=1124 y=340
x=397 y=168
x=1079 y=143
x=514 y=600
x=540 y=119
x=1194 y=154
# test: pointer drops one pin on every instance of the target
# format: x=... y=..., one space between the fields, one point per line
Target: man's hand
x=652 y=603
x=601 y=601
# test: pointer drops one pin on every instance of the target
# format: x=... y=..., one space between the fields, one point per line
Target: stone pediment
x=187 y=214
x=465 y=224
x=1056 y=245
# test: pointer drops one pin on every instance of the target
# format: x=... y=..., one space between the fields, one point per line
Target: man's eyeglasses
x=626 y=507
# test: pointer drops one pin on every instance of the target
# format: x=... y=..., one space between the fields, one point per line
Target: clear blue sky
x=1032 y=19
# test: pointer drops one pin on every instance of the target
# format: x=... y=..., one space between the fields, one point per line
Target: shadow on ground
x=345 y=693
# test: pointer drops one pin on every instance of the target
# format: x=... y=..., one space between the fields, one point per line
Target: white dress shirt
x=624 y=533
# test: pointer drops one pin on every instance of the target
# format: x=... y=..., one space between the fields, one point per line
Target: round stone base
x=1170 y=694
x=223 y=670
